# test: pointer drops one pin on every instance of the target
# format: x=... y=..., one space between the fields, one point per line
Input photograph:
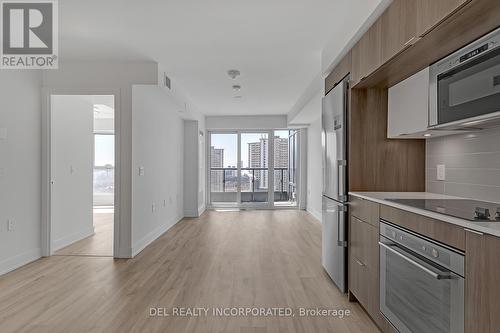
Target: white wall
x=192 y=169
x=72 y=142
x=314 y=168
x=20 y=179
x=110 y=77
x=245 y=122
x=310 y=116
x=157 y=146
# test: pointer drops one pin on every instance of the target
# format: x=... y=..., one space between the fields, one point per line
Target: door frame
x=238 y=204
x=46 y=226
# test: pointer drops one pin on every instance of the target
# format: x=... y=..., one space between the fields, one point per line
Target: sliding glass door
x=254 y=149
x=224 y=173
x=249 y=169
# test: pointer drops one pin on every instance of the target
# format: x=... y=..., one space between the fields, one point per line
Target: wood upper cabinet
x=339 y=72
x=482 y=290
x=430 y=13
x=367 y=53
x=402 y=25
x=399 y=28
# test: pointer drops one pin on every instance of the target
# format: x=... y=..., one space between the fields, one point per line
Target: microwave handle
x=436 y=275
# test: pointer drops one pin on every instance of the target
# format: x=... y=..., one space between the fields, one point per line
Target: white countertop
x=492 y=228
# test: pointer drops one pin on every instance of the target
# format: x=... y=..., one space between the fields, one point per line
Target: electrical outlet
x=141 y=171
x=10 y=225
x=441 y=172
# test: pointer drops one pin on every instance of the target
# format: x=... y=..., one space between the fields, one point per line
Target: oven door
x=469 y=90
x=418 y=296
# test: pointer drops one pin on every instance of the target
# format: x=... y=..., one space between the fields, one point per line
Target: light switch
x=3 y=133
x=141 y=171
x=441 y=172
x=10 y=225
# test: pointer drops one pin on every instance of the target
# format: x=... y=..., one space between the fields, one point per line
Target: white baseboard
x=70 y=239
x=314 y=213
x=19 y=260
x=152 y=236
x=191 y=213
x=201 y=209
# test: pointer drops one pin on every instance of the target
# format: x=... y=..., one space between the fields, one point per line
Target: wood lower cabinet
x=364 y=210
x=364 y=269
x=482 y=288
x=429 y=13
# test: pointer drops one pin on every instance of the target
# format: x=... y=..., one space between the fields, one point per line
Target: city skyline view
x=229 y=142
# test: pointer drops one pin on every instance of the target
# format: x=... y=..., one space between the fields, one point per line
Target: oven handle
x=435 y=275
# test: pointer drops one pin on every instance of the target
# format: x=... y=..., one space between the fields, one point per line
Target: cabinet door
x=367 y=53
x=338 y=73
x=482 y=290
x=364 y=258
x=430 y=13
x=408 y=106
x=399 y=29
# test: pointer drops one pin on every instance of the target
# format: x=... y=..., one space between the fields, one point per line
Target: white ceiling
x=276 y=44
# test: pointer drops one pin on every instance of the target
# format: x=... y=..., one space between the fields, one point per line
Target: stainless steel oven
x=421 y=282
x=465 y=86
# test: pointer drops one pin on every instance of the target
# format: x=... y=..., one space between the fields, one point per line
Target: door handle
x=436 y=275
x=340 y=240
x=341 y=165
x=359 y=262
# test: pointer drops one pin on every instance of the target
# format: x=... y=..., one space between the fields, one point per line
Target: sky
x=229 y=142
x=104 y=150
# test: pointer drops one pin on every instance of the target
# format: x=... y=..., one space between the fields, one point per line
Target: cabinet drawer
x=359 y=235
x=359 y=277
x=446 y=233
x=365 y=210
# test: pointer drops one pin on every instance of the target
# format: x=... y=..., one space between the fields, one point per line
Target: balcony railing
x=254 y=183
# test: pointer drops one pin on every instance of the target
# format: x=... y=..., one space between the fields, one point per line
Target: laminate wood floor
x=222 y=259
x=100 y=244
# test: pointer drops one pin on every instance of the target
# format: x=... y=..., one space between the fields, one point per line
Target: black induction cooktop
x=471 y=210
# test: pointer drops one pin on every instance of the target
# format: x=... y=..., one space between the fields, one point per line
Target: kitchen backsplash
x=472 y=165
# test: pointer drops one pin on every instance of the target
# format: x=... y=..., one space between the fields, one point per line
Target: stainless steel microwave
x=465 y=86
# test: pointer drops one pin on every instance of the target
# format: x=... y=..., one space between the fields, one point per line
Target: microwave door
x=334 y=144
x=470 y=90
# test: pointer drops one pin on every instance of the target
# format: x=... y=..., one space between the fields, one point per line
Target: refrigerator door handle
x=341 y=230
x=341 y=167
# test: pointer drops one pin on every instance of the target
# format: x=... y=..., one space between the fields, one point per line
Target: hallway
x=100 y=244
x=222 y=259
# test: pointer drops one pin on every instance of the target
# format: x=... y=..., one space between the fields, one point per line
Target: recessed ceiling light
x=427 y=135
x=233 y=73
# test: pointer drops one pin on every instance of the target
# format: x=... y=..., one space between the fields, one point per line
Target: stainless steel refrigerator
x=334 y=214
